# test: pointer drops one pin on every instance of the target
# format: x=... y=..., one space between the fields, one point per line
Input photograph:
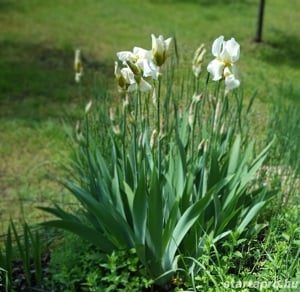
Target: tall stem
x=196 y=111
x=158 y=124
x=135 y=133
x=124 y=131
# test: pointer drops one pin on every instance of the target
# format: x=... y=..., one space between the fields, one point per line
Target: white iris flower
x=128 y=81
x=226 y=54
x=142 y=59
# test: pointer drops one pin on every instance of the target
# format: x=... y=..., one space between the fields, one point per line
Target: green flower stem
x=146 y=114
x=88 y=147
x=158 y=103
x=124 y=136
x=158 y=124
x=197 y=83
x=80 y=93
x=136 y=124
x=193 y=129
x=215 y=123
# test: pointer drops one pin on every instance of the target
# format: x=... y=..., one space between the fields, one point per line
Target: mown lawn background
x=38 y=94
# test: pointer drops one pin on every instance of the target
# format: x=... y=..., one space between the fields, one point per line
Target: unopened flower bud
x=191 y=116
x=88 y=106
x=116 y=130
x=125 y=102
x=180 y=112
x=223 y=130
x=201 y=145
x=78 y=66
x=217 y=115
x=121 y=81
x=153 y=138
x=112 y=116
x=198 y=60
x=135 y=70
x=205 y=148
x=154 y=97
x=131 y=117
x=77 y=127
x=197 y=97
x=162 y=132
x=78 y=133
x=160 y=49
x=140 y=140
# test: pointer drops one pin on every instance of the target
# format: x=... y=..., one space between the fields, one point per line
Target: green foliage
x=163 y=194
x=271 y=259
x=124 y=271
x=78 y=266
x=25 y=248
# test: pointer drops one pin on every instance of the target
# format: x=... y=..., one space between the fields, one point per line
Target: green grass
x=37 y=89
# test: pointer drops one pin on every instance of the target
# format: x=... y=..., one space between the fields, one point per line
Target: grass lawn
x=37 y=88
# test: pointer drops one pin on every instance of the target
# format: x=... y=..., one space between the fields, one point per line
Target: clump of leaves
x=79 y=266
x=23 y=258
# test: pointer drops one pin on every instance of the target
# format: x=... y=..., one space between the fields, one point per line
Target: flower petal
x=144 y=61
x=132 y=87
x=218 y=46
x=168 y=42
x=196 y=70
x=216 y=68
x=144 y=85
x=141 y=53
x=128 y=75
x=233 y=49
x=231 y=82
x=154 y=42
x=149 y=69
x=126 y=56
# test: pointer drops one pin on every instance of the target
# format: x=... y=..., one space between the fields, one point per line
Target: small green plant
x=6 y=257
x=124 y=272
x=79 y=266
x=4 y=281
x=21 y=256
x=72 y=263
x=269 y=261
x=175 y=176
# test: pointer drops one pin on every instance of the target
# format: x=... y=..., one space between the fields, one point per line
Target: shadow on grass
x=6 y=5
x=282 y=49
x=37 y=81
x=205 y=2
